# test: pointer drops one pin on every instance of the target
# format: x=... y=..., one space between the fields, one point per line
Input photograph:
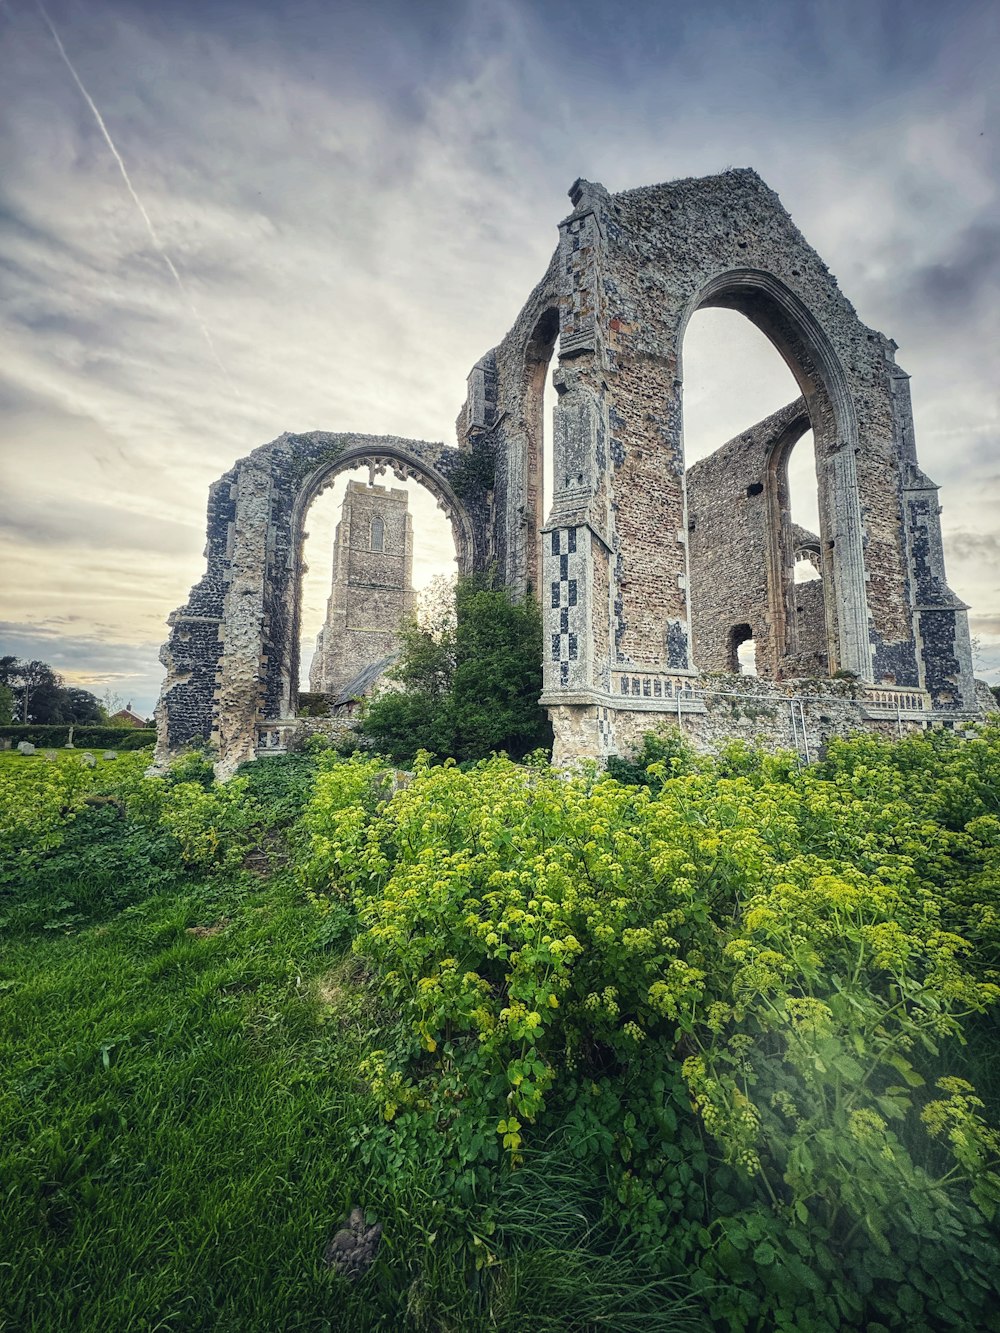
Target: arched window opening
x=743 y=651
x=807 y=638
x=737 y=397
x=733 y=378
x=541 y=359
x=549 y=400
x=347 y=597
x=803 y=508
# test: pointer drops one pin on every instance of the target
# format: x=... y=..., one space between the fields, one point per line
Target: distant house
x=126 y=718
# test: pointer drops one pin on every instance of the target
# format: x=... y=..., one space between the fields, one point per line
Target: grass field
x=173 y=1109
x=180 y=1112
x=188 y=1021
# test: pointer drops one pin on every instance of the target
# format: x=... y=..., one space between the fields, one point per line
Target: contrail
x=157 y=243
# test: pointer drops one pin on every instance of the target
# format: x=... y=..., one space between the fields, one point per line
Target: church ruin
x=372 y=588
x=650 y=576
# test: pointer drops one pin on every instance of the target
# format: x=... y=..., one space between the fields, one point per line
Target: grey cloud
x=963 y=280
x=355 y=231
x=94 y=526
x=90 y=662
x=974 y=545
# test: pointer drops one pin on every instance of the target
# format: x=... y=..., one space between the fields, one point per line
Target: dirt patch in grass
x=206 y=932
x=338 y=988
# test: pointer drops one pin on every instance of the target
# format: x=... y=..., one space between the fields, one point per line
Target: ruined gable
x=636 y=605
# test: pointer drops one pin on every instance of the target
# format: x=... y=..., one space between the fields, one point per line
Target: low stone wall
x=281 y=737
x=801 y=715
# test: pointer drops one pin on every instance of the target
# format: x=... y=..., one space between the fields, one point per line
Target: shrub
x=730 y=997
x=467 y=688
x=55 y=736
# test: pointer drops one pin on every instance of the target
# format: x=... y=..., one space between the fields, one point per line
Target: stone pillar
x=239 y=693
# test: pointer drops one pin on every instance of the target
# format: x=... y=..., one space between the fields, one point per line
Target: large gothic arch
x=616 y=583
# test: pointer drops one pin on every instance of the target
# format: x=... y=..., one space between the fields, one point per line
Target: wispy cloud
x=133 y=194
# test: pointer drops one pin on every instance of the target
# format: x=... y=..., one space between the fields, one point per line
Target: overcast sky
x=337 y=207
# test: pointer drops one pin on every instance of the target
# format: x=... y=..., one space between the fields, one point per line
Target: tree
x=469 y=677
x=6 y=705
x=37 y=689
x=39 y=695
x=81 y=707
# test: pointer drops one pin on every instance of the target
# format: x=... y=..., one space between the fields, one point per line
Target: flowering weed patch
x=728 y=992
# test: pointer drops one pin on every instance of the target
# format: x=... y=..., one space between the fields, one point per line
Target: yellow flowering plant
x=732 y=987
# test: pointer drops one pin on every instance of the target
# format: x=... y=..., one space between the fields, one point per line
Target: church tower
x=372 y=586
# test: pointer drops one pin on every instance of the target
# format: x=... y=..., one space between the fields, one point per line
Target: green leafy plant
x=467 y=687
x=731 y=987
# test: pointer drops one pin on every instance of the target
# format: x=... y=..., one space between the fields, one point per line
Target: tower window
x=377 y=534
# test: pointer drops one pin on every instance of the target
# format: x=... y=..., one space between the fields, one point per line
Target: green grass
x=174 y=1121
x=178 y=1124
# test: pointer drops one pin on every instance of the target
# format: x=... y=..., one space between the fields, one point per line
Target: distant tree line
x=32 y=692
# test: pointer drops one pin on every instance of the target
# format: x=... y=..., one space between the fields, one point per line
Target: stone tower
x=372 y=586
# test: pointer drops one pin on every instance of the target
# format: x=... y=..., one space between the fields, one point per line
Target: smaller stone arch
x=805 y=619
x=232 y=658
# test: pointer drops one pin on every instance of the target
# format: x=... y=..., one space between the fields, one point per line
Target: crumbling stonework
x=743 y=551
x=372 y=587
x=631 y=597
x=636 y=604
x=232 y=657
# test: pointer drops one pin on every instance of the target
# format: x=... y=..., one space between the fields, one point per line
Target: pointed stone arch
x=233 y=654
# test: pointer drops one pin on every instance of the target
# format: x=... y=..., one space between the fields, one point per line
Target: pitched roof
x=364 y=682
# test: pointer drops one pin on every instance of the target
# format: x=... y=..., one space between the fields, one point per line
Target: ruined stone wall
x=625 y=604
x=630 y=270
x=372 y=588
x=810 y=629
x=734 y=541
x=743 y=548
x=232 y=658
x=803 y=715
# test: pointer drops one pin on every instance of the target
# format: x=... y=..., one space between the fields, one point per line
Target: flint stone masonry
x=372 y=588
x=636 y=603
x=743 y=550
x=232 y=657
